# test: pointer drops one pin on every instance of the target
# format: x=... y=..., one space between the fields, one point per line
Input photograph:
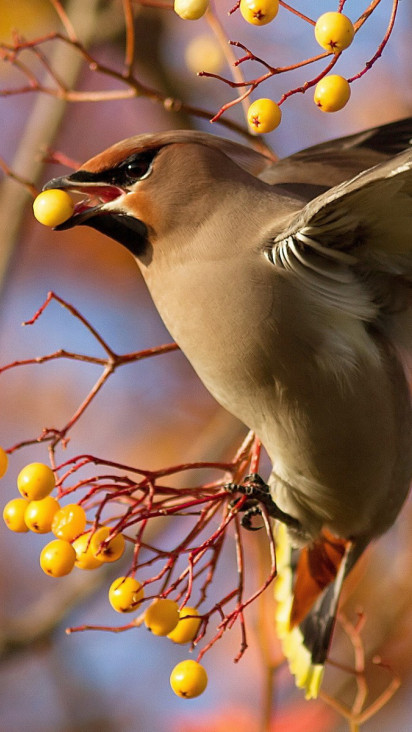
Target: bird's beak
x=97 y=209
x=94 y=195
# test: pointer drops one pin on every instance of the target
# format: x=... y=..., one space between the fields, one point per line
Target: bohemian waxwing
x=287 y=286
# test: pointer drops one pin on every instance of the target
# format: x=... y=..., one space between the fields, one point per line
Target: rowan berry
x=53 y=207
x=39 y=514
x=162 y=616
x=13 y=515
x=125 y=594
x=334 y=31
x=259 y=12
x=69 y=522
x=264 y=115
x=57 y=558
x=191 y=9
x=188 y=679
x=332 y=93
x=187 y=628
x=35 y=481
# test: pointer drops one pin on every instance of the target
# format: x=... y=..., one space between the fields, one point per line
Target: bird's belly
x=341 y=454
x=340 y=463
x=340 y=439
x=348 y=471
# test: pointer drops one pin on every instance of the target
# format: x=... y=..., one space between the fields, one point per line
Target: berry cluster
x=117 y=508
x=76 y=546
x=334 y=32
x=329 y=35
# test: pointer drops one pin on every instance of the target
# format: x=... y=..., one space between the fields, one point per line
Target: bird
x=287 y=285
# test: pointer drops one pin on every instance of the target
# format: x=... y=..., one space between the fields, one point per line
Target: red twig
x=130 y=86
x=130 y=39
x=358 y=714
x=18 y=178
x=308 y=84
x=110 y=364
x=381 y=46
x=296 y=12
x=65 y=20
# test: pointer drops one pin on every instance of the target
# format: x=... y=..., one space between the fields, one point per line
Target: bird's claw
x=249 y=508
x=258 y=492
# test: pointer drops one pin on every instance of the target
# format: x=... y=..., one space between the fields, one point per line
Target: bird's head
x=143 y=187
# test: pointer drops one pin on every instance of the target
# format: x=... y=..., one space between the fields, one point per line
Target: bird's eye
x=137 y=166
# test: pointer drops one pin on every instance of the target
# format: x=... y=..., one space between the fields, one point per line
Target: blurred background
x=155 y=413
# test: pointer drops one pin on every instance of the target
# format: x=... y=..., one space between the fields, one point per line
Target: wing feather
x=352 y=245
x=334 y=161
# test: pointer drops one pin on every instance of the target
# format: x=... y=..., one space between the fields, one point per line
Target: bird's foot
x=258 y=494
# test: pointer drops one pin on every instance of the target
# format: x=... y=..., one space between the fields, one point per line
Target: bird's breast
x=337 y=428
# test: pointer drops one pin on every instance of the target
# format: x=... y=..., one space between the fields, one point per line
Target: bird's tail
x=307 y=590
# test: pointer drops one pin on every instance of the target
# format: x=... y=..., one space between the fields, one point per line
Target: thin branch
x=381 y=46
x=65 y=20
x=134 y=87
x=218 y=30
x=130 y=39
x=18 y=178
x=356 y=715
x=296 y=12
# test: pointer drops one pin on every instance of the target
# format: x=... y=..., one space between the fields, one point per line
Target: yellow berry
x=264 y=115
x=109 y=551
x=259 y=12
x=13 y=515
x=69 y=522
x=203 y=53
x=39 y=514
x=188 y=679
x=53 y=207
x=35 y=481
x=4 y=461
x=191 y=9
x=187 y=628
x=332 y=93
x=334 y=31
x=125 y=594
x=85 y=559
x=162 y=616
x=57 y=558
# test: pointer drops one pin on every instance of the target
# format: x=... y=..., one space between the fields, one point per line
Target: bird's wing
x=371 y=212
x=387 y=140
x=355 y=233
x=334 y=161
